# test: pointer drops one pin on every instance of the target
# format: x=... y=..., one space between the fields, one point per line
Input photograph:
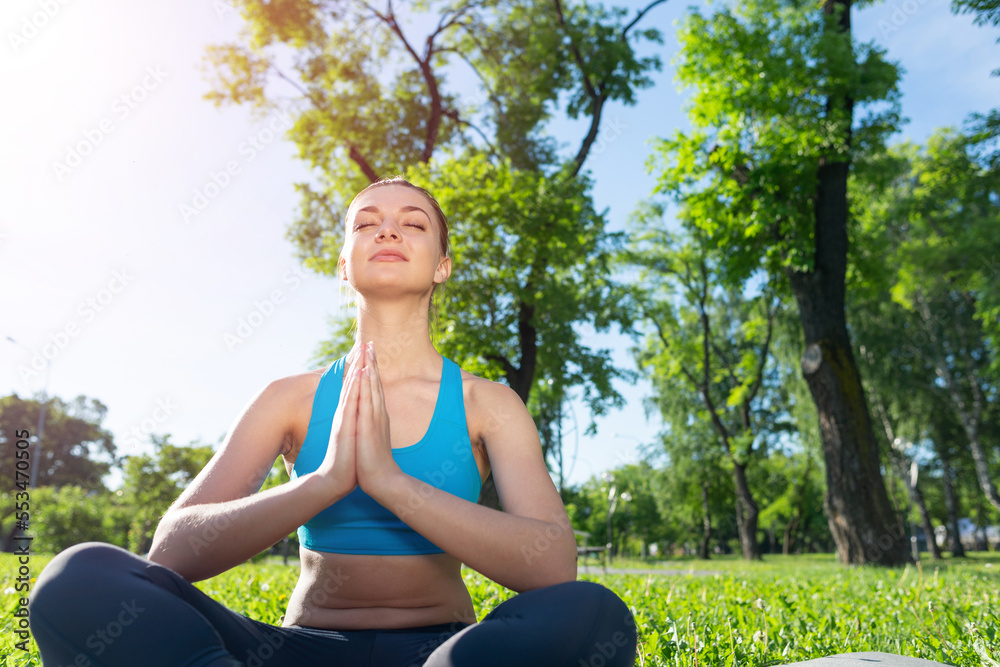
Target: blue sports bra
x=357 y=524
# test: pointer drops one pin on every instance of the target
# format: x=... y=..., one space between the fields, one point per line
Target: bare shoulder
x=292 y=396
x=266 y=428
x=490 y=406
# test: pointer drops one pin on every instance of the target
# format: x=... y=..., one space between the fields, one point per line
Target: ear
x=443 y=270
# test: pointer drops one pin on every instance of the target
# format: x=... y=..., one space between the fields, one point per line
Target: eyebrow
x=404 y=209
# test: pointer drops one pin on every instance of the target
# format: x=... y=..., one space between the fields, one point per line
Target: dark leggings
x=99 y=605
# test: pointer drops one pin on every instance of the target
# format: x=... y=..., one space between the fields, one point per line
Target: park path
x=597 y=569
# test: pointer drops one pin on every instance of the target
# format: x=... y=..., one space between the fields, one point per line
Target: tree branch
x=436 y=110
x=595 y=94
x=638 y=17
x=322 y=105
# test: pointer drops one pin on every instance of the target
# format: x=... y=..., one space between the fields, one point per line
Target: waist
x=358 y=592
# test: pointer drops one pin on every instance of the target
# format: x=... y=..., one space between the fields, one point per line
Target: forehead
x=391 y=198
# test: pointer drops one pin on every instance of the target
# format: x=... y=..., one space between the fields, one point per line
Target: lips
x=388 y=256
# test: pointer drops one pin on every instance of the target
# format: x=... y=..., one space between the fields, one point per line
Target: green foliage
x=695 y=473
x=76 y=449
x=528 y=250
x=67 y=515
x=708 y=357
x=708 y=352
x=790 y=493
x=987 y=12
x=929 y=227
x=373 y=99
x=637 y=521
x=153 y=482
x=767 y=79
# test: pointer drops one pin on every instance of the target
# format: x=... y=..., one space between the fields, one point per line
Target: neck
x=401 y=333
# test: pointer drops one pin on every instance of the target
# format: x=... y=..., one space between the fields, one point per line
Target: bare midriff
x=359 y=592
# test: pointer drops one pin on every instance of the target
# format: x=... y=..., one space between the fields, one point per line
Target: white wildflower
x=759 y=636
x=759 y=603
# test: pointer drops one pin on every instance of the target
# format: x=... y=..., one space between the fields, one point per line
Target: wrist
x=323 y=491
x=386 y=486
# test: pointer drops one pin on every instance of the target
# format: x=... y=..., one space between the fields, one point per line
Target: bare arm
x=220 y=520
x=528 y=545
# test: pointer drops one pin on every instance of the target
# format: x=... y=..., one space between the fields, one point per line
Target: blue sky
x=135 y=296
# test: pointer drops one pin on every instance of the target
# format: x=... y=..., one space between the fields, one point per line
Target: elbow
x=558 y=567
x=164 y=551
x=565 y=572
x=172 y=561
x=160 y=554
x=564 y=567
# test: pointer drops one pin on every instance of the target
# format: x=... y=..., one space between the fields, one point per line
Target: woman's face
x=392 y=243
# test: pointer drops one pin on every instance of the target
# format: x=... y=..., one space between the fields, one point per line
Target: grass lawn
x=784 y=609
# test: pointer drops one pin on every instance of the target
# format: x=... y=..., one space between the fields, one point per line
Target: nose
x=387 y=229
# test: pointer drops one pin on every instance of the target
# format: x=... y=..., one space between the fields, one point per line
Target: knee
x=613 y=630
x=592 y=604
x=77 y=571
x=596 y=599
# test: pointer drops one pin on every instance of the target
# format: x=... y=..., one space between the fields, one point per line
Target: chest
x=412 y=407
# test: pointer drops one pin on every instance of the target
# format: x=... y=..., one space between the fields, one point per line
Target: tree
x=692 y=488
x=986 y=11
x=620 y=507
x=764 y=175
x=370 y=100
x=68 y=515
x=76 y=450
x=792 y=498
x=944 y=223
x=708 y=356
x=154 y=481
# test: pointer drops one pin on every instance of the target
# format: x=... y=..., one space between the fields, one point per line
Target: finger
x=350 y=406
x=364 y=398
x=378 y=396
x=348 y=377
x=372 y=378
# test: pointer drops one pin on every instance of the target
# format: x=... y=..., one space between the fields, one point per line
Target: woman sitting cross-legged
x=385 y=516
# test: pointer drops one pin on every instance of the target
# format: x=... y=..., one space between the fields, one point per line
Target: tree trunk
x=863 y=525
x=746 y=514
x=918 y=499
x=979 y=458
x=706 y=524
x=800 y=509
x=519 y=379
x=857 y=505
x=786 y=545
x=902 y=464
x=970 y=415
x=772 y=538
x=951 y=506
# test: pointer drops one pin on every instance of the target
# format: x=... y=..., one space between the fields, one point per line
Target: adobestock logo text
x=33 y=24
